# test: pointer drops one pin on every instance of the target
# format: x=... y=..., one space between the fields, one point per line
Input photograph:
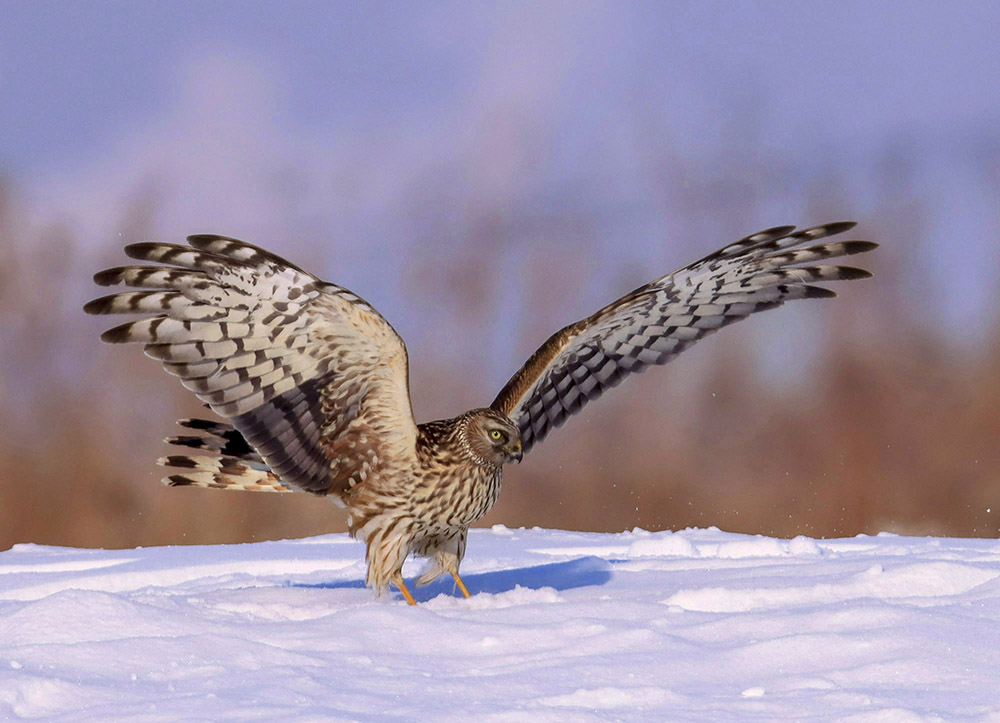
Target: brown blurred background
x=485 y=175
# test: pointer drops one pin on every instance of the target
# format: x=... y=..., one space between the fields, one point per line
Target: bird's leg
x=398 y=580
x=461 y=585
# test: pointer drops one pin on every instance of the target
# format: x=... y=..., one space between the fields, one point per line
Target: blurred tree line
x=880 y=421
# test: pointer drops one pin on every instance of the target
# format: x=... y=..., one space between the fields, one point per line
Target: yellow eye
x=496 y=434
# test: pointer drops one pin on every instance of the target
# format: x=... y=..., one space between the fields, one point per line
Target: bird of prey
x=312 y=381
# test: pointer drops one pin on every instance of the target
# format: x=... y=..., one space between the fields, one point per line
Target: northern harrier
x=313 y=383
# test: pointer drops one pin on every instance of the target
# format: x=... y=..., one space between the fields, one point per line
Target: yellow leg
x=461 y=585
x=398 y=580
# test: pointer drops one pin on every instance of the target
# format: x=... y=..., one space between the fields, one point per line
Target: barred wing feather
x=656 y=322
x=296 y=364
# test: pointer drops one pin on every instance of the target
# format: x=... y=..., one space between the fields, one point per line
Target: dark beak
x=517 y=454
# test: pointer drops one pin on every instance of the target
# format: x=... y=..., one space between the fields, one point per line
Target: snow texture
x=693 y=625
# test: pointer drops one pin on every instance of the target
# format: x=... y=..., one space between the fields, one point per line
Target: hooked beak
x=517 y=454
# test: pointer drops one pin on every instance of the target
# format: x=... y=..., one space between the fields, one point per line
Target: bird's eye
x=496 y=434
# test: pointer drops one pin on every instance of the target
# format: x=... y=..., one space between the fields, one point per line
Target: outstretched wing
x=309 y=373
x=658 y=321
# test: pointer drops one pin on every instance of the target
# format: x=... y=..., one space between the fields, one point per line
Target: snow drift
x=693 y=625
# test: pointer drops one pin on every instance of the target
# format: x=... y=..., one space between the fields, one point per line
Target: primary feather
x=654 y=323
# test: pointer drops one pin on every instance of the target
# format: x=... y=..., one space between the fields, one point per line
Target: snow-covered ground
x=693 y=625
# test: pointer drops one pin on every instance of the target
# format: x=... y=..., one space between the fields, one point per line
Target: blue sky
x=648 y=132
x=76 y=74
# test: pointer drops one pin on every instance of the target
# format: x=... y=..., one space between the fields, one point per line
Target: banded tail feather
x=218 y=437
x=237 y=466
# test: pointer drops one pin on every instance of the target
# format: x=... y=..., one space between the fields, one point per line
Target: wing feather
x=293 y=362
x=654 y=323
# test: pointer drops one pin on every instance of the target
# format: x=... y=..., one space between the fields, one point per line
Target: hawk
x=313 y=381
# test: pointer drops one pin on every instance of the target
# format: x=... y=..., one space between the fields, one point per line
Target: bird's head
x=493 y=437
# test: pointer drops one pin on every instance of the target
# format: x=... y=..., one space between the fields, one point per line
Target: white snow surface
x=685 y=626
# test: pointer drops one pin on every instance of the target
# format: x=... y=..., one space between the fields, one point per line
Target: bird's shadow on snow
x=580 y=572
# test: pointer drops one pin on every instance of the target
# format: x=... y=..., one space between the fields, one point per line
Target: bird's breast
x=457 y=496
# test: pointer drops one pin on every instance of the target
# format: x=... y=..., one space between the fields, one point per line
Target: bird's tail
x=237 y=466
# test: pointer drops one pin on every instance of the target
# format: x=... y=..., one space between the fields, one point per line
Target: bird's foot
x=398 y=581
x=461 y=585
